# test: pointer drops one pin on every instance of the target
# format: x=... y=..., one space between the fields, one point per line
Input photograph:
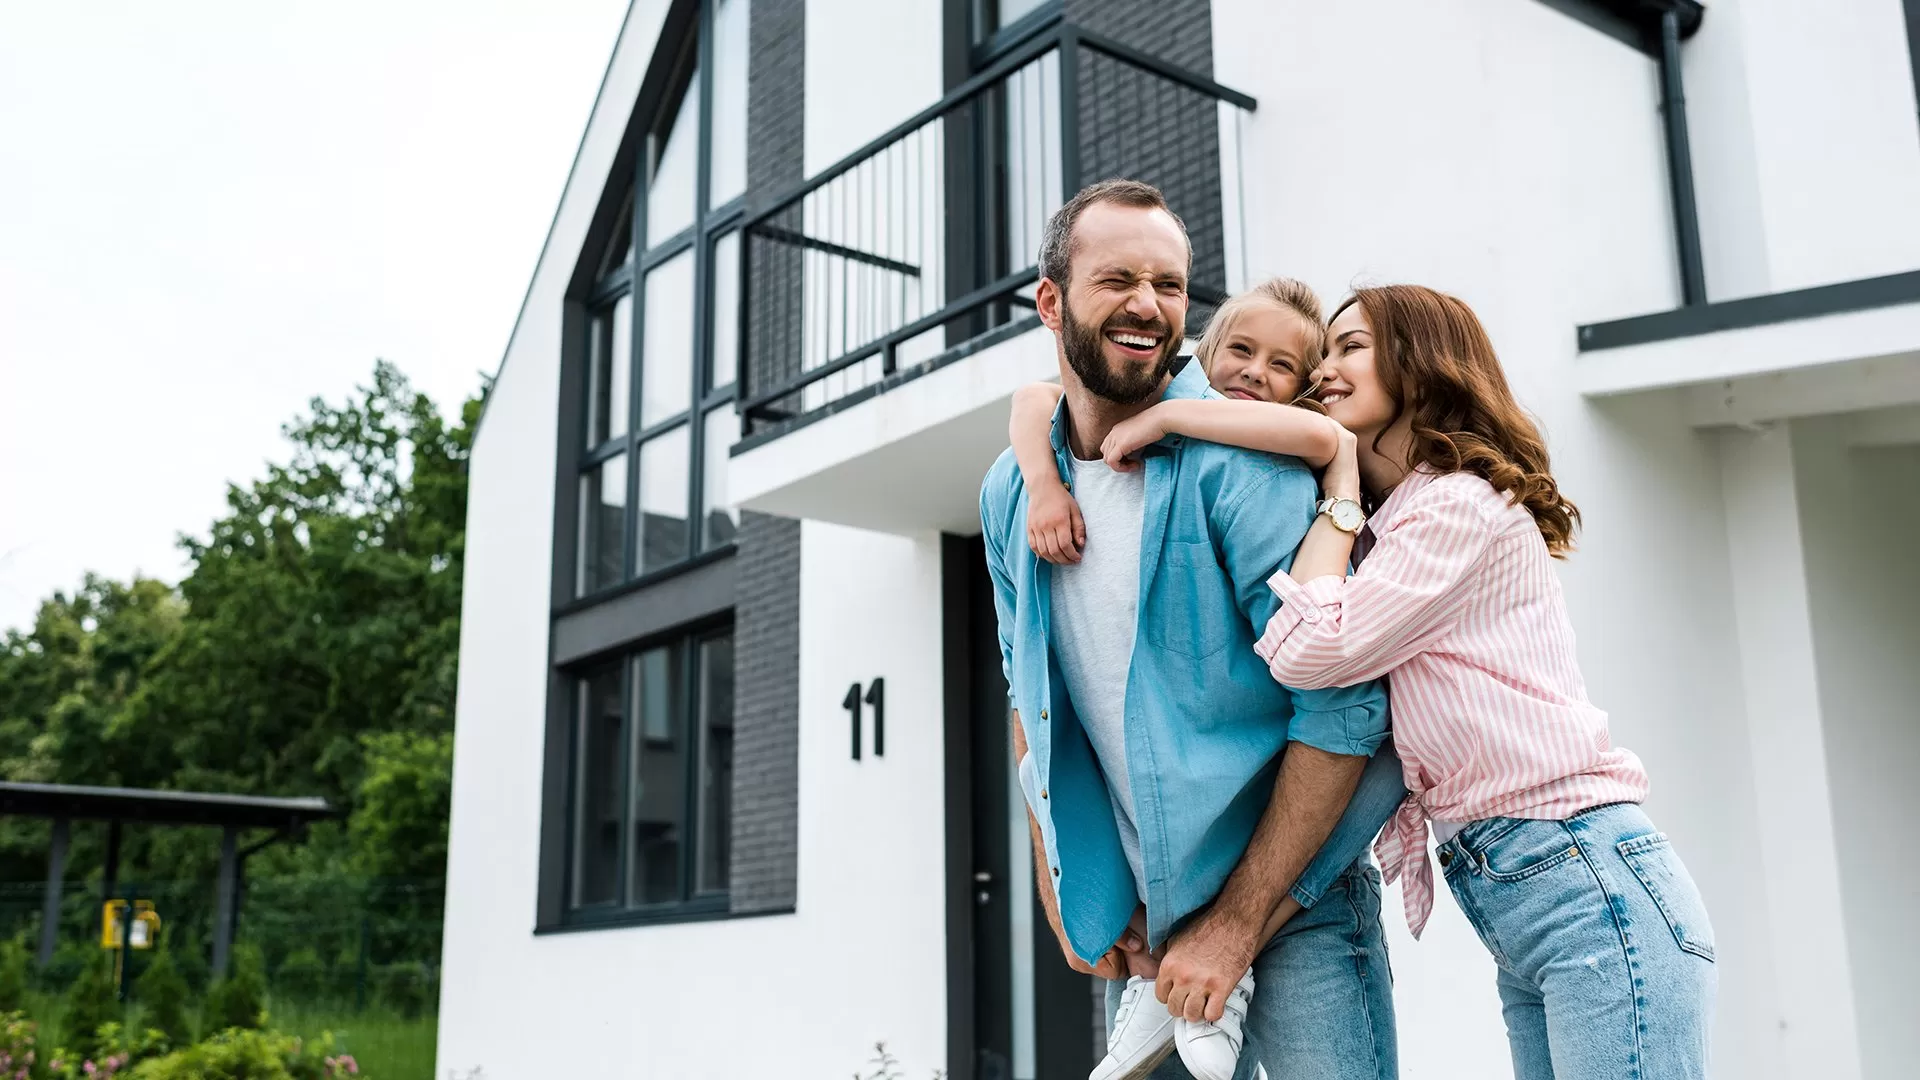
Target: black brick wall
x=1141 y=126
x=767 y=607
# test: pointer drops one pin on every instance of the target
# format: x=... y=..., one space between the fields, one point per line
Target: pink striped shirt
x=1458 y=600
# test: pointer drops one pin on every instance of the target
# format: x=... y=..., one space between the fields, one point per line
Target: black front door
x=1011 y=997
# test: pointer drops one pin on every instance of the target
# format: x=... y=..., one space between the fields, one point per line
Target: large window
x=652 y=780
x=662 y=342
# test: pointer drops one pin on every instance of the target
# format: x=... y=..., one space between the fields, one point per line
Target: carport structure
x=65 y=803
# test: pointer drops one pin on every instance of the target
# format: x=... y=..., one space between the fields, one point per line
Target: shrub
x=15 y=973
x=251 y=1055
x=237 y=1001
x=406 y=988
x=92 y=1003
x=302 y=976
x=163 y=993
x=115 y=1051
x=19 y=1037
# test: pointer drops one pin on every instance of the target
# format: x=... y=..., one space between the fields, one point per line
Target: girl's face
x=1264 y=356
x=1349 y=385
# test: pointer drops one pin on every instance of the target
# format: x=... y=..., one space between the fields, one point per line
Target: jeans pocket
x=1653 y=860
x=1525 y=849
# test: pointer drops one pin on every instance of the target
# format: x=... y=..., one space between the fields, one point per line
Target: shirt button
x=1043 y=714
x=1446 y=859
x=1056 y=871
x=1043 y=793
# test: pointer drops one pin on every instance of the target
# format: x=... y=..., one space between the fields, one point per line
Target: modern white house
x=731 y=778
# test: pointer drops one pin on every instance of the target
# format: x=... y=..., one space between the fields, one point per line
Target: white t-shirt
x=1095 y=609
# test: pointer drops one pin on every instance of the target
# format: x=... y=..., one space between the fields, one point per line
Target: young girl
x=1602 y=944
x=1259 y=351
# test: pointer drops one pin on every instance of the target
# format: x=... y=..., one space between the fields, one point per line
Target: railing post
x=1069 y=112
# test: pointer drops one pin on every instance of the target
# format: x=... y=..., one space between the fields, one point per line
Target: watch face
x=1347 y=515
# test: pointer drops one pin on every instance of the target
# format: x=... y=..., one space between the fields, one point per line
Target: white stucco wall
x=1515 y=158
x=1864 y=598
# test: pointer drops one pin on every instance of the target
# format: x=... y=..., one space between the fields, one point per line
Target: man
x=1161 y=763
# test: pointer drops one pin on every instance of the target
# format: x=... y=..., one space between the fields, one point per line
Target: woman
x=1603 y=947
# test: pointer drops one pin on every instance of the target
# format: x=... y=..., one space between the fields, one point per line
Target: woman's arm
x=1055 y=529
x=1256 y=425
x=1327 y=550
x=1334 y=631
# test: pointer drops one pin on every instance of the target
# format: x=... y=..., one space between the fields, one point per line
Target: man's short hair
x=1057 y=245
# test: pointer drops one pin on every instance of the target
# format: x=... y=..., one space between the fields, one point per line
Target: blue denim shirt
x=1205 y=722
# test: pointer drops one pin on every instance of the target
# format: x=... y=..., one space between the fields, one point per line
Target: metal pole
x=1069 y=113
x=126 y=940
x=1686 y=214
x=56 y=875
x=112 y=873
x=223 y=900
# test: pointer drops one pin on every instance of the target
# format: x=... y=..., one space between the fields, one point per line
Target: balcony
x=887 y=303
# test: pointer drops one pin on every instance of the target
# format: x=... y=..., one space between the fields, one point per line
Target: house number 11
x=876 y=697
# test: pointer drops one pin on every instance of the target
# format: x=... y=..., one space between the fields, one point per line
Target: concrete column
x=1793 y=806
x=56 y=874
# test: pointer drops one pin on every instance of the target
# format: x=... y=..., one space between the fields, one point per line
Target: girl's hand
x=1055 y=529
x=1129 y=436
x=1341 y=480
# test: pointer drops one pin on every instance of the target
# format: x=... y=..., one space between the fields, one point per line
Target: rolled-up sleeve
x=1409 y=592
x=1260 y=532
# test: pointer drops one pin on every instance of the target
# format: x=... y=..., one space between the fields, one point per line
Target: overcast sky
x=213 y=210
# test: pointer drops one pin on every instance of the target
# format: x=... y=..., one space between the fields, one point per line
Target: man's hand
x=1202 y=965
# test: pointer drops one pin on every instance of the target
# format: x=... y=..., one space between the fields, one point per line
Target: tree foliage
x=310 y=650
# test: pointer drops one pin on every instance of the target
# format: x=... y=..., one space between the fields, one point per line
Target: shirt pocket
x=1193 y=609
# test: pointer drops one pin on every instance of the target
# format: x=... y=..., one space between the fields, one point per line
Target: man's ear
x=1046 y=300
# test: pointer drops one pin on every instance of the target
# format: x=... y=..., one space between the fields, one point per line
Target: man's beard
x=1130 y=384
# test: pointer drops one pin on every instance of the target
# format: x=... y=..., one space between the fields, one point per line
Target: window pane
x=718 y=521
x=666 y=364
x=597 y=789
x=665 y=468
x=610 y=370
x=716 y=761
x=620 y=241
x=603 y=525
x=1012 y=11
x=676 y=153
x=723 y=364
x=659 y=775
x=729 y=162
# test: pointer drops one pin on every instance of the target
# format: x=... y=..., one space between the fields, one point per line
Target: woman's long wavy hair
x=1435 y=361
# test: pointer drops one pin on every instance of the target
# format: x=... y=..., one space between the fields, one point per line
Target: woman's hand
x=1341 y=480
x=1055 y=529
x=1129 y=436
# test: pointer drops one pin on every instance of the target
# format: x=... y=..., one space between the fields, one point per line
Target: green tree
x=92 y=1003
x=162 y=991
x=239 y=999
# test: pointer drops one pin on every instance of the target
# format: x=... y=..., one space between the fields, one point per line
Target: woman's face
x=1264 y=356
x=1349 y=386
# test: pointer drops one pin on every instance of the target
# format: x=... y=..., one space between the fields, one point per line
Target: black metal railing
x=919 y=248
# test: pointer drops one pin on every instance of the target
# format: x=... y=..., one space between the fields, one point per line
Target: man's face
x=1123 y=313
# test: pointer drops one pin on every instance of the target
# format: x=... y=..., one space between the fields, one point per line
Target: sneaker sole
x=1140 y=1069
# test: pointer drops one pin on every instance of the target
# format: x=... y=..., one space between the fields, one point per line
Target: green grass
x=386 y=1045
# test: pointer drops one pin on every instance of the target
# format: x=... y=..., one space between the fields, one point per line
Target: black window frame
x=686 y=55
x=694 y=901
x=694 y=596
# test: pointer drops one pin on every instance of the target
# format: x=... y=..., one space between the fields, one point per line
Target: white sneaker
x=1212 y=1051
x=1141 y=1038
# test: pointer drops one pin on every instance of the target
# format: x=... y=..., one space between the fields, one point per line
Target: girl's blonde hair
x=1288 y=293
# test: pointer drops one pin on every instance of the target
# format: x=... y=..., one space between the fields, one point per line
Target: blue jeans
x=1322 y=1004
x=1604 y=951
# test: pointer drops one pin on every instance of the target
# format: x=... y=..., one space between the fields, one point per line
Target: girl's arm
x=1256 y=425
x=1055 y=529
